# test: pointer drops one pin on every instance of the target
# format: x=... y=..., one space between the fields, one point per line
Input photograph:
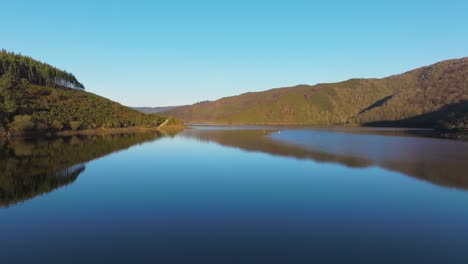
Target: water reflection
x=411 y=152
x=38 y=166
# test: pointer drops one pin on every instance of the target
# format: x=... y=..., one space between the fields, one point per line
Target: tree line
x=38 y=73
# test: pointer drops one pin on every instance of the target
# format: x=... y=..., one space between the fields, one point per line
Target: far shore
x=457 y=135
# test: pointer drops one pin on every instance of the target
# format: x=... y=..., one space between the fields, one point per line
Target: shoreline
x=97 y=131
x=435 y=133
x=299 y=125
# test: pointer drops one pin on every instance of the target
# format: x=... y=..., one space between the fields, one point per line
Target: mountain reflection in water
x=38 y=166
x=414 y=153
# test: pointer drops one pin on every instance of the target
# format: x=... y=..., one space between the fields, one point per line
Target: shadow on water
x=411 y=152
x=32 y=167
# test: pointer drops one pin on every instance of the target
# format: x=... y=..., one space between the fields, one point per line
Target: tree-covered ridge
x=431 y=96
x=36 y=72
x=33 y=102
x=27 y=108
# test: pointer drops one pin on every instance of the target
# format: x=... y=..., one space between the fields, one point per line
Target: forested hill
x=36 y=97
x=38 y=73
x=431 y=96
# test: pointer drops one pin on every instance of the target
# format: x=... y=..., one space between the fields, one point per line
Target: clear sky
x=158 y=53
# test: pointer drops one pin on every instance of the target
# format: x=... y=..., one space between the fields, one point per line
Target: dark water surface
x=236 y=195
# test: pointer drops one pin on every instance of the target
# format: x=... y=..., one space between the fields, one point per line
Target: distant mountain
x=154 y=110
x=35 y=96
x=431 y=96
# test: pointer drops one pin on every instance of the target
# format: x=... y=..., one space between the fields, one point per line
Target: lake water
x=236 y=195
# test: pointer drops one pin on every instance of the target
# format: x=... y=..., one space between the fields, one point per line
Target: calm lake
x=236 y=195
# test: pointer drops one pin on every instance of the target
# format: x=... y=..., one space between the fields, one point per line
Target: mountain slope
x=28 y=104
x=421 y=97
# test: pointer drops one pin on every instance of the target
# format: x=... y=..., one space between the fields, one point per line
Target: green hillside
x=38 y=97
x=431 y=96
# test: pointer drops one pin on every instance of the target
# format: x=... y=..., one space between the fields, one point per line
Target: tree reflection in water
x=32 y=167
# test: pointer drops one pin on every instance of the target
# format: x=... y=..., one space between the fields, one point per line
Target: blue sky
x=157 y=53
